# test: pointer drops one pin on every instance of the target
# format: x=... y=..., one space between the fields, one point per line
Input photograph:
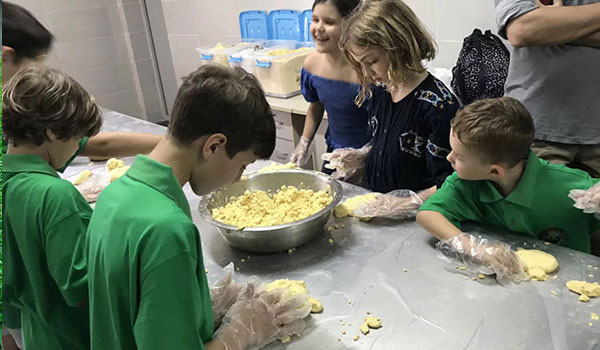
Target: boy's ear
x=213 y=145
x=51 y=136
x=8 y=53
x=497 y=170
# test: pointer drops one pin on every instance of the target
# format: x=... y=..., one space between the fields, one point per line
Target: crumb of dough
x=481 y=276
x=585 y=289
x=355 y=337
x=295 y=287
x=274 y=167
x=114 y=163
x=373 y=322
x=555 y=277
x=117 y=173
x=344 y=332
x=286 y=340
x=404 y=270
x=595 y=316
x=257 y=208
x=330 y=241
x=463 y=268
x=91 y=163
x=590 y=324
x=82 y=177
x=474 y=278
x=591 y=276
x=537 y=263
x=291 y=250
x=553 y=292
x=349 y=205
x=364 y=328
x=244 y=178
x=243 y=260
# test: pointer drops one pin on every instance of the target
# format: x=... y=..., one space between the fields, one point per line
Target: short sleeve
x=454 y=201
x=507 y=10
x=308 y=90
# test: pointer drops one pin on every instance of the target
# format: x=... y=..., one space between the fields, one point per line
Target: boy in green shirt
x=45 y=113
x=500 y=182
x=25 y=41
x=147 y=283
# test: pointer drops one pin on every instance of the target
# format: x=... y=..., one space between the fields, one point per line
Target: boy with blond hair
x=44 y=115
x=499 y=181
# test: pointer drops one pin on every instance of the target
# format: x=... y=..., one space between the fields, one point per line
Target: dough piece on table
x=537 y=264
x=82 y=177
x=117 y=173
x=296 y=287
x=364 y=328
x=114 y=163
x=585 y=289
x=349 y=205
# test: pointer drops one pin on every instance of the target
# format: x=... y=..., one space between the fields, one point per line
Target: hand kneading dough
x=537 y=263
x=295 y=287
x=350 y=204
x=585 y=289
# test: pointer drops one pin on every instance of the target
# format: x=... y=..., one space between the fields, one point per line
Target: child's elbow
x=421 y=217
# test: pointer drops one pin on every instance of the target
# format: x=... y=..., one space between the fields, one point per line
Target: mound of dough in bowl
x=538 y=264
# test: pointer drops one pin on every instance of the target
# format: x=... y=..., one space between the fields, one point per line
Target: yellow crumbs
x=257 y=208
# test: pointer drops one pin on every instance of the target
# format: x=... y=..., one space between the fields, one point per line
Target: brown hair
x=39 y=98
x=392 y=26
x=216 y=99
x=500 y=130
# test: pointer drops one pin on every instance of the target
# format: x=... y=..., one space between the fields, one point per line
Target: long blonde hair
x=392 y=26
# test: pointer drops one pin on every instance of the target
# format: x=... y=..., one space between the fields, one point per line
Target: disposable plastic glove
x=259 y=317
x=399 y=204
x=224 y=294
x=301 y=153
x=348 y=163
x=587 y=200
x=485 y=256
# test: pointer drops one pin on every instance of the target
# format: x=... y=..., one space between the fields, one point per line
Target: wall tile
x=126 y=101
x=180 y=19
x=134 y=18
x=106 y=80
x=139 y=45
x=79 y=25
x=87 y=54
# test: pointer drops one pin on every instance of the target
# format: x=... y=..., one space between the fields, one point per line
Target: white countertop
x=296 y=104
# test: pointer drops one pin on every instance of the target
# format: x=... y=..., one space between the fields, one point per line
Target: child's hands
x=399 y=204
x=587 y=200
x=224 y=293
x=301 y=153
x=348 y=163
x=259 y=317
x=484 y=255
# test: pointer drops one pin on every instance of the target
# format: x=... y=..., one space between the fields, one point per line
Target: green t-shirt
x=82 y=142
x=148 y=286
x=538 y=207
x=45 y=220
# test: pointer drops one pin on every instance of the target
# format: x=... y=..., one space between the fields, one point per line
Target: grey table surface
x=392 y=270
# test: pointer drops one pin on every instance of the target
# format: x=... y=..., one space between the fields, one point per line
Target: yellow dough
x=114 y=163
x=274 y=167
x=585 y=289
x=82 y=177
x=117 y=173
x=537 y=263
x=257 y=208
x=373 y=322
x=364 y=328
x=295 y=287
x=350 y=204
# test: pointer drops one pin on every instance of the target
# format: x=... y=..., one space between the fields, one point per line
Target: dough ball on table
x=537 y=264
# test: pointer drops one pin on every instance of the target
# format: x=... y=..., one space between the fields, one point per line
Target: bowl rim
x=336 y=188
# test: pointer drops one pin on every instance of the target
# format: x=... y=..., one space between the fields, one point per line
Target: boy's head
x=223 y=114
x=45 y=108
x=385 y=41
x=24 y=39
x=489 y=137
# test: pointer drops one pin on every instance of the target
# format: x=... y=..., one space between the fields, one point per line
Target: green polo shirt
x=44 y=224
x=148 y=287
x=538 y=207
x=82 y=142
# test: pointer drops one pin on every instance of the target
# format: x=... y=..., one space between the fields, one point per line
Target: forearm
x=554 y=25
x=314 y=115
x=426 y=193
x=437 y=224
x=591 y=40
x=120 y=144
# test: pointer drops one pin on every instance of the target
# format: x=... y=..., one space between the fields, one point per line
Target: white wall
x=193 y=23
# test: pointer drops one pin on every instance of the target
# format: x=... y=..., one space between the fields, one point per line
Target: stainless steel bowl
x=269 y=239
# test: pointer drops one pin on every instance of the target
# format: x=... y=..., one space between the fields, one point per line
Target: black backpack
x=481 y=68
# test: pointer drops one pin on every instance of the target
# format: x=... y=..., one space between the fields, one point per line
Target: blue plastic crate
x=254 y=25
x=285 y=25
x=305 y=19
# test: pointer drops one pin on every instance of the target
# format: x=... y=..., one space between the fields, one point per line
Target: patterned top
x=411 y=138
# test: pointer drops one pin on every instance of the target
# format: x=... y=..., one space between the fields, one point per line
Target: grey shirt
x=559 y=85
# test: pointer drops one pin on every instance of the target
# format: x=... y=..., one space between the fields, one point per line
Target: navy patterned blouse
x=411 y=138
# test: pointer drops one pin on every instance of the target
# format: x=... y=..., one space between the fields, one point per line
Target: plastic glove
x=224 y=293
x=301 y=153
x=485 y=256
x=258 y=318
x=587 y=200
x=399 y=204
x=348 y=163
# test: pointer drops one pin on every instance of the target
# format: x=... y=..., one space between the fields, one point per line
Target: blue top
x=411 y=138
x=348 y=124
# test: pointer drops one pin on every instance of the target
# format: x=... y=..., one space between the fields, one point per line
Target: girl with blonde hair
x=409 y=109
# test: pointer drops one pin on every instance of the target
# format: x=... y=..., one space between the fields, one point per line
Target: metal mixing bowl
x=269 y=239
